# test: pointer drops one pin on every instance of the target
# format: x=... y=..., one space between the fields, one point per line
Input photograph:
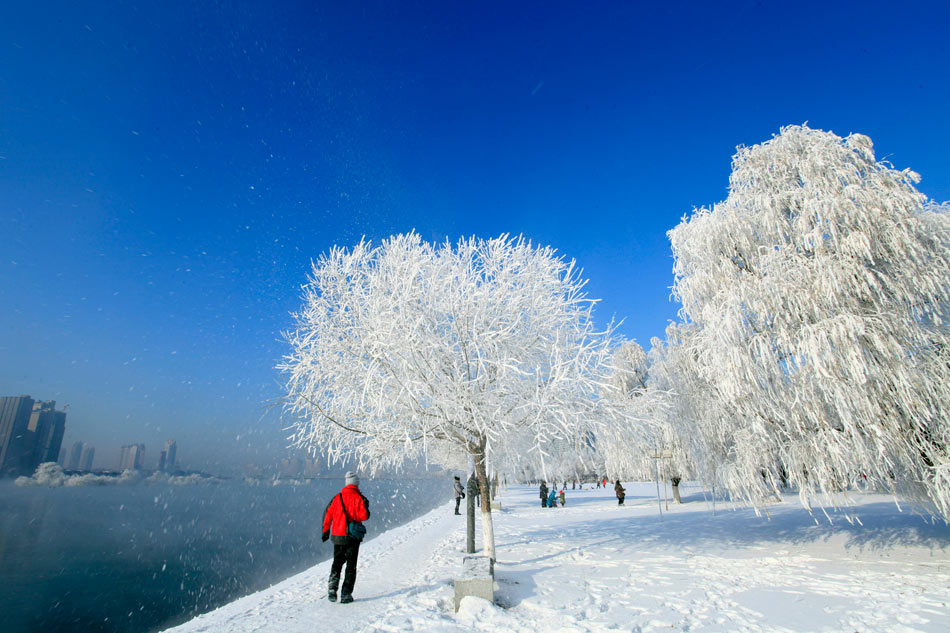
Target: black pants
x=458 y=500
x=346 y=553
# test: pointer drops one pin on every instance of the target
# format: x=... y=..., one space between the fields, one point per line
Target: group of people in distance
x=549 y=498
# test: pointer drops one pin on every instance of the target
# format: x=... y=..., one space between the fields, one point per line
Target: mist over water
x=144 y=557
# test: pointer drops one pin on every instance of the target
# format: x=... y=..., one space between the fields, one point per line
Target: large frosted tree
x=406 y=349
x=814 y=343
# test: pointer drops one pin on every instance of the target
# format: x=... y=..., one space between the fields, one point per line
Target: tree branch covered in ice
x=814 y=343
x=484 y=348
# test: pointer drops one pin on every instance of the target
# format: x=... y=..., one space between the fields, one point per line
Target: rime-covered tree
x=481 y=348
x=627 y=447
x=815 y=301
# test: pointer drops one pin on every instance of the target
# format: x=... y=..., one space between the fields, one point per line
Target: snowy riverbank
x=593 y=566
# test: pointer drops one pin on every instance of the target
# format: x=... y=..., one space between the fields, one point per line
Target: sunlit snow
x=593 y=566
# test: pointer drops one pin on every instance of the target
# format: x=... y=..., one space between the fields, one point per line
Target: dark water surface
x=141 y=557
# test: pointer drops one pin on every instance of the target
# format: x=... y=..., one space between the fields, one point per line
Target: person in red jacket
x=349 y=503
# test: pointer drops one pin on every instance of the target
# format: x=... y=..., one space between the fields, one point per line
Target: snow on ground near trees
x=593 y=566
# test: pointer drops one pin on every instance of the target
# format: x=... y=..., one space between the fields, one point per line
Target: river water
x=138 y=558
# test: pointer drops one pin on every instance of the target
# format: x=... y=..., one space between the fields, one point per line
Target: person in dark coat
x=621 y=492
x=459 y=494
x=349 y=503
x=544 y=495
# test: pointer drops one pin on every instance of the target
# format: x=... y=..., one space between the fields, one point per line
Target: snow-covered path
x=595 y=567
x=392 y=568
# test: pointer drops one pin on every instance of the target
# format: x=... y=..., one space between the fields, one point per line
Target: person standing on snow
x=459 y=494
x=544 y=495
x=621 y=492
x=350 y=506
x=562 y=497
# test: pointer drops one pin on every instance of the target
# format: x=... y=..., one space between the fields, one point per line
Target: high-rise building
x=47 y=426
x=75 y=454
x=132 y=457
x=31 y=432
x=166 y=461
x=14 y=419
x=88 y=454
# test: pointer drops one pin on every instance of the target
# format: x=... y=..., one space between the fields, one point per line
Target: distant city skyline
x=169 y=170
x=32 y=431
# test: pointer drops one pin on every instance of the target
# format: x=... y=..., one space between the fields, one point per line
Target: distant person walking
x=459 y=494
x=544 y=495
x=342 y=525
x=621 y=492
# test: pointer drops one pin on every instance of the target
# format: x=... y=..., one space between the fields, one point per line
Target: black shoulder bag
x=354 y=529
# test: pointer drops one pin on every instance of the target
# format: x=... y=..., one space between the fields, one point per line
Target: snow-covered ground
x=593 y=566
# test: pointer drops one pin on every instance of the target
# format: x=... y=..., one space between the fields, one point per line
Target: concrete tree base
x=477 y=579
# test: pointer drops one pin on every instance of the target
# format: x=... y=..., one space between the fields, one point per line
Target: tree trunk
x=488 y=528
x=470 y=521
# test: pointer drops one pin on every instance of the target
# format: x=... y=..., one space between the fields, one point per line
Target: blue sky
x=168 y=170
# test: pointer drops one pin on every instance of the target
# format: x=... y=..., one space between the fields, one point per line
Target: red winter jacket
x=334 y=521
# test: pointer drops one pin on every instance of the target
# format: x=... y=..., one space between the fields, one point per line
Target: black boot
x=332 y=587
x=346 y=598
